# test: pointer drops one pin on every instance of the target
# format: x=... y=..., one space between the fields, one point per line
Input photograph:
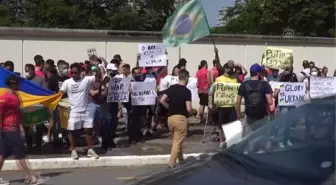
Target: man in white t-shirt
x=77 y=89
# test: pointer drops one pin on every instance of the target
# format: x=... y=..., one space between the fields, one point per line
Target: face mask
x=27 y=74
x=230 y=71
x=137 y=77
x=65 y=72
x=314 y=73
x=275 y=74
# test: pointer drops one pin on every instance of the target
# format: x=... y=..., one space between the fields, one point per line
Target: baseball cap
x=111 y=67
x=256 y=68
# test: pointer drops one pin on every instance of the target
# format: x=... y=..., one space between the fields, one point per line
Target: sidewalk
x=152 y=152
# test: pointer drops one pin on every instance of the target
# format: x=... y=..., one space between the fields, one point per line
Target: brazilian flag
x=187 y=24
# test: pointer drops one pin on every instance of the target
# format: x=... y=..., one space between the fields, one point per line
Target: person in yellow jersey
x=226 y=111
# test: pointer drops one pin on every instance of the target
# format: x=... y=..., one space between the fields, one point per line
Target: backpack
x=255 y=96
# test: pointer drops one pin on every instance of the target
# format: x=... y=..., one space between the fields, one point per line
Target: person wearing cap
x=257 y=95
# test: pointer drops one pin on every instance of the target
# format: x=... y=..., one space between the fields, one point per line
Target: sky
x=213 y=6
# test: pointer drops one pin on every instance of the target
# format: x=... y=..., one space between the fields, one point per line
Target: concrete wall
x=21 y=44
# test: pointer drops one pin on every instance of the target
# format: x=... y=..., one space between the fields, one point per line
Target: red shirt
x=39 y=73
x=215 y=72
x=202 y=81
x=10 y=111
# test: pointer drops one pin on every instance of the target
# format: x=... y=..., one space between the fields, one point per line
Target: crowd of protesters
x=86 y=86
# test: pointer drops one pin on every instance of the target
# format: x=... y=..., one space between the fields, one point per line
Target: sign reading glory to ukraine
x=292 y=94
x=152 y=55
x=225 y=94
x=277 y=58
x=186 y=25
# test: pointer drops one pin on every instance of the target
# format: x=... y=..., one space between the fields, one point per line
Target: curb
x=111 y=161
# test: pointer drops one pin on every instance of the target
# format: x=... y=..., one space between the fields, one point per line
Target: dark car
x=295 y=148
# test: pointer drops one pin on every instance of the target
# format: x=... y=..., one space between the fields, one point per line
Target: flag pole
x=213 y=41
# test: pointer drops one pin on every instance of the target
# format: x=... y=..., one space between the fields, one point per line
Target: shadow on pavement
x=159 y=176
x=51 y=175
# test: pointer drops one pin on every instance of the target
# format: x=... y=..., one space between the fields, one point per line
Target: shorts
x=12 y=144
x=226 y=115
x=204 y=97
x=79 y=120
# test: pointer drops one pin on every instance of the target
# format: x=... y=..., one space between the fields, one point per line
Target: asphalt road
x=91 y=176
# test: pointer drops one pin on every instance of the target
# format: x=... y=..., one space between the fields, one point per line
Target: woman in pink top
x=202 y=76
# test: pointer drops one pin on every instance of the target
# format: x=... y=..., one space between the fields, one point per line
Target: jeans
x=110 y=125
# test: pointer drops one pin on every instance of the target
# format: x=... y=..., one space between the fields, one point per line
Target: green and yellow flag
x=187 y=24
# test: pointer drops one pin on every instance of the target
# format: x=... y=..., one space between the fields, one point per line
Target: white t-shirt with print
x=78 y=93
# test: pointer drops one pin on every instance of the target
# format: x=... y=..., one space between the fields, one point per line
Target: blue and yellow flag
x=30 y=94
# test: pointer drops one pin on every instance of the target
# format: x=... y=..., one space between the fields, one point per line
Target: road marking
x=131 y=178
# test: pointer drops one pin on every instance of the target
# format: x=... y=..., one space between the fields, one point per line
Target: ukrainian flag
x=30 y=94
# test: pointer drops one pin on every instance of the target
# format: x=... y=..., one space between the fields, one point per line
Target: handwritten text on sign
x=143 y=93
x=277 y=58
x=118 y=90
x=225 y=94
x=292 y=94
x=152 y=55
x=322 y=86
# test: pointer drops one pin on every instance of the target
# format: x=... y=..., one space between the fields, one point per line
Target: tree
x=272 y=17
x=98 y=14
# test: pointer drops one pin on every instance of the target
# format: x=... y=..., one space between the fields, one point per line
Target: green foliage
x=272 y=17
x=88 y=14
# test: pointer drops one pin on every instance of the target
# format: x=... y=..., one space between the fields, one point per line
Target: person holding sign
x=222 y=99
x=257 y=95
x=179 y=107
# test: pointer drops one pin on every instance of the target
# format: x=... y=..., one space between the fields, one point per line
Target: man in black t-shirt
x=177 y=99
x=257 y=95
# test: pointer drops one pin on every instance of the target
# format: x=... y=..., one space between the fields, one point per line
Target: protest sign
x=91 y=51
x=292 y=94
x=277 y=58
x=322 y=86
x=119 y=90
x=225 y=94
x=192 y=86
x=143 y=93
x=152 y=55
x=233 y=132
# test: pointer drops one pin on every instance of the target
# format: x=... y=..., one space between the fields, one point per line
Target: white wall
x=22 y=51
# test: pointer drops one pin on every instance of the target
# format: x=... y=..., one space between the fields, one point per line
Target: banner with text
x=192 y=86
x=225 y=94
x=152 y=55
x=119 y=90
x=322 y=86
x=292 y=94
x=277 y=58
x=143 y=93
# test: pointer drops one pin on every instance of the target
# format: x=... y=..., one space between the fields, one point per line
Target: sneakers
x=3 y=182
x=74 y=155
x=36 y=180
x=91 y=153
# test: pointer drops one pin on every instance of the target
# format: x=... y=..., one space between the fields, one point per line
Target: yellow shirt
x=224 y=79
